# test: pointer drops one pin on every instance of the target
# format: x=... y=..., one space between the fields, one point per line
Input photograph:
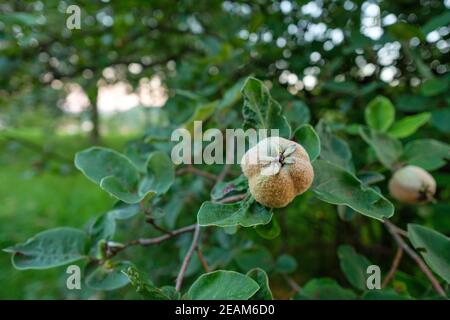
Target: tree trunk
x=94 y=115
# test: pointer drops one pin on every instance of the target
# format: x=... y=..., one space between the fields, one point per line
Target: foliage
x=319 y=77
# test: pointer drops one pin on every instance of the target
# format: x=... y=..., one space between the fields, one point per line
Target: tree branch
x=187 y=258
x=202 y=259
x=193 y=170
x=435 y=283
x=232 y=199
x=394 y=267
x=157 y=240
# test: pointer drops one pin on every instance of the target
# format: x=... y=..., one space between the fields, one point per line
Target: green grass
x=32 y=201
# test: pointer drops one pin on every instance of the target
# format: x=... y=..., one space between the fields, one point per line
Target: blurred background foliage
x=139 y=68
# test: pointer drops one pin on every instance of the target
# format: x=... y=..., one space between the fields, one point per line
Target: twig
x=191 y=169
x=187 y=258
x=157 y=227
x=202 y=259
x=157 y=240
x=393 y=231
x=231 y=199
x=150 y=241
x=400 y=231
x=394 y=267
x=149 y=219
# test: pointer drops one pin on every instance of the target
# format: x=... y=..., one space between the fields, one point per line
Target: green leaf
x=285 y=264
x=48 y=249
x=117 y=175
x=388 y=150
x=244 y=213
x=441 y=20
x=261 y=111
x=270 y=230
x=108 y=276
x=96 y=163
x=297 y=113
x=223 y=285
x=408 y=125
x=119 y=190
x=371 y=177
x=335 y=185
x=20 y=18
x=308 y=138
x=160 y=174
x=232 y=95
x=428 y=154
x=104 y=226
x=223 y=189
x=413 y=103
x=341 y=87
x=114 y=172
x=333 y=148
x=385 y=294
x=434 y=248
x=254 y=257
x=404 y=31
x=260 y=276
x=201 y=113
x=440 y=119
x=380 y=113
x=433 y=87
x=354 y=266
x=122 y=211
x=324 y=289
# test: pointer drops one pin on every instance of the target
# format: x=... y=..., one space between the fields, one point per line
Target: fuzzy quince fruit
x=277 y=170
x=412 y=184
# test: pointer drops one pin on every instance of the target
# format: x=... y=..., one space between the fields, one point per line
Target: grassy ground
x=32 y=200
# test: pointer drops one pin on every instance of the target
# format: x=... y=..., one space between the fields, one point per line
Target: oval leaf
x=261 y=111
x=108 y=277
x=333 y=148
x=242 y=213
x=334 y=185
x=380 y=113
x=354 y=266
x=48 y=249
x=408 y=125
x=324 y=289
x=223 y=285
x=308 y=138
x=434 y=248
x=270 y=230
x=285 y=264
x=260 y=276
x=427 y=153
x=388 y=150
